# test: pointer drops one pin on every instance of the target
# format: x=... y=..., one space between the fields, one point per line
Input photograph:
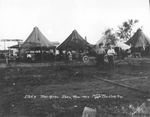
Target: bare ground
x=63 y=89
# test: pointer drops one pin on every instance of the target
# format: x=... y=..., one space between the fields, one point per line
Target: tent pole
x=19 y=50
x=34 y=53
x=42 y=53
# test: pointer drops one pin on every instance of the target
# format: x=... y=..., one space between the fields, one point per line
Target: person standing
x=110 y=56
x=69 y=55
x=100 y=55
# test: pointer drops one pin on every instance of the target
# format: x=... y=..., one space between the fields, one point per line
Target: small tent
x=36 y=44
x=74 y=42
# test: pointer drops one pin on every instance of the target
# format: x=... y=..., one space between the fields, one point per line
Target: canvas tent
x=103 y=40
x=122 y=45
x=36 y=44
x=114 y=42
x=140 y=43
x=73 y=42
x=139 y=39
x=36 y=39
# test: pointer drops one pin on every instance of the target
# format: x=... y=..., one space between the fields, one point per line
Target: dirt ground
x=58 y=89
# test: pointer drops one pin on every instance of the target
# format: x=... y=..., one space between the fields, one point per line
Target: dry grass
x=81 y=80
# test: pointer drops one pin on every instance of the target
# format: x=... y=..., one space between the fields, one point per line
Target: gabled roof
x=74 y=41
x=139 y=39
x=36 y=39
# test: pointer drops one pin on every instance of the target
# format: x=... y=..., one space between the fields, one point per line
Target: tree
x=110 y=36
x=126 y=30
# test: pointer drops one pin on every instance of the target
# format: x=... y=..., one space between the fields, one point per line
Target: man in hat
x=100 y=55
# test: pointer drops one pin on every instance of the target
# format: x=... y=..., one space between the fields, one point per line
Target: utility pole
x=8 y=40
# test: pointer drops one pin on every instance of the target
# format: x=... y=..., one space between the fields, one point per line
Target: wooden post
x=6 y=60
x=42 y=53
x=18 y=51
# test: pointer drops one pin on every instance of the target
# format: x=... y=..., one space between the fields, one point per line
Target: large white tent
x=117 y=43
x=122 y=45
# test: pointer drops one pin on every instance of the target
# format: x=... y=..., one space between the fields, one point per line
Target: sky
x=56 y=19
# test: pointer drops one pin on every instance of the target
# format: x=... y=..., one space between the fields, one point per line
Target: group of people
x=102 y=53
x=67 y=55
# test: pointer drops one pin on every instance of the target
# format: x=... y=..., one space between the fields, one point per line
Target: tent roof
x=14 y=46
x=102 y=40
x=107 y=39
x=74 y=41
x=36 y=39
x=122 y=45
x=139 y=39
x=116 y=43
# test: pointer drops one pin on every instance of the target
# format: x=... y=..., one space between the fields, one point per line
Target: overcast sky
x=56 y=19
